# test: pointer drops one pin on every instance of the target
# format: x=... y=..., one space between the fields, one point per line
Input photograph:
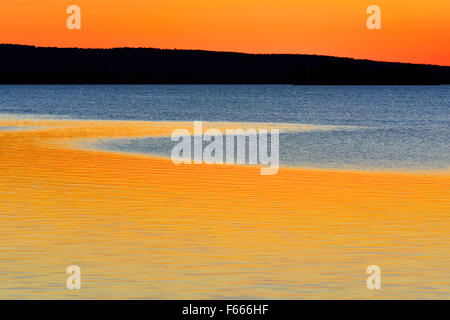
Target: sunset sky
x=412 y=30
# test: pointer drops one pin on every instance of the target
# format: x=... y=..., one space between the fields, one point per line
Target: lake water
x=142 y=227
x=366 y=127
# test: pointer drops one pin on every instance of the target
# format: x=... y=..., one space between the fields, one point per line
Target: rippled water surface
x=353 y=127
x=141 y=227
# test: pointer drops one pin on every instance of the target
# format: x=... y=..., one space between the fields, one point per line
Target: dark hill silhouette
x=28 y=64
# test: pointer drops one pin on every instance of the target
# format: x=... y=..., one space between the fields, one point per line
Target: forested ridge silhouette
x=20 y=64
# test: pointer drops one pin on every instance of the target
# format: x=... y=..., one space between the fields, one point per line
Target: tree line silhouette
x=21 y=64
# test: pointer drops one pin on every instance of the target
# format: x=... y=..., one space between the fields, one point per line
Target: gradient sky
x=412 y=30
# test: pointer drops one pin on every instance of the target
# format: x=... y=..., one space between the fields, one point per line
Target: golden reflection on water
x=142 y=227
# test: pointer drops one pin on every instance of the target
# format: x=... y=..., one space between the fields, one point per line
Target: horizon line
x=221 y=51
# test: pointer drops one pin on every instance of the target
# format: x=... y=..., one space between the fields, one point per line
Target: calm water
x=141 y=228
x=377 y=127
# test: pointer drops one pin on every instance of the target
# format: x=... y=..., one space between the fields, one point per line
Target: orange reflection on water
x=142 y=227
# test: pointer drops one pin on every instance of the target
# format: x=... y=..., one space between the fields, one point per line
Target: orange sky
x=412 y=30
